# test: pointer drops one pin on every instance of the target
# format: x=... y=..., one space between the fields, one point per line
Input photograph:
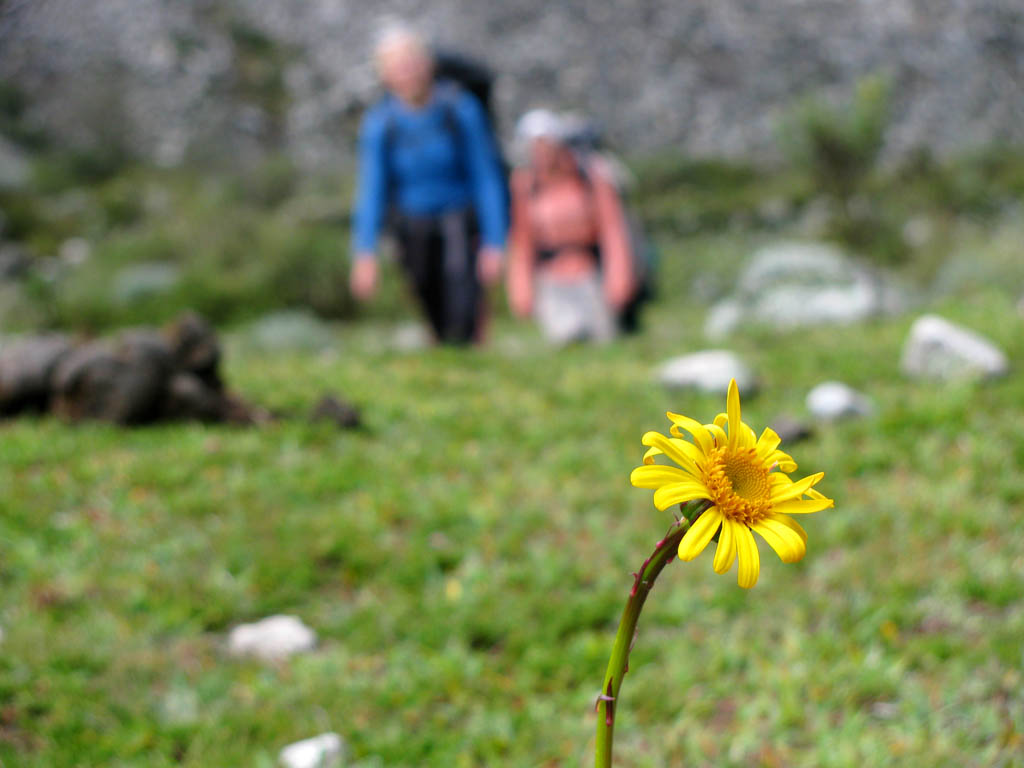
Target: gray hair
x=394 y=33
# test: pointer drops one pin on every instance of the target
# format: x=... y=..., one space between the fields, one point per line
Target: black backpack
x=469 y=73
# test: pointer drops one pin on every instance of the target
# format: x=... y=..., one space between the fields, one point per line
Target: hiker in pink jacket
x=570 y=262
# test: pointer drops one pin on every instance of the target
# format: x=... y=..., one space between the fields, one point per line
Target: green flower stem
x=607 y=703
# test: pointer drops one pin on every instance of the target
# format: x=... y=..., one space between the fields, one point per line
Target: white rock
x=918 y=232
x=411 y=337
x=75 y=251
x=939 y=349
x=793 y=285
x=833 y=400
x=723 y=318
x=707 y=371
x=276 y=637
x=138 y=282
x=291 y=330
x=323 y=751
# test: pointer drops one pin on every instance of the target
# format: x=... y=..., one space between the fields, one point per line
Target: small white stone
x=708 y=371
x=723 y=318
x=939 y=349
x=75 y=251
x=411 y=337
x=918 y=232
x=833 y=400
x=323 y=751
x=273 y=638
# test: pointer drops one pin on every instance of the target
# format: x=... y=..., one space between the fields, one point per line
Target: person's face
x=407 y=72
x=545 y=153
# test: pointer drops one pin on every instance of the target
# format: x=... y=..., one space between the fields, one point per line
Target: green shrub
x=838 y=146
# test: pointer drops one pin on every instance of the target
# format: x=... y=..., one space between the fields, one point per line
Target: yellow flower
x=746 y=480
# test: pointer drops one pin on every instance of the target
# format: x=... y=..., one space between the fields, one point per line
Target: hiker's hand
x=488 y=265
x=618 y=293
x=363 y=279
x=521 y=303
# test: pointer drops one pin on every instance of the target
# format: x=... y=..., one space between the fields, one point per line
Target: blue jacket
x=426 y=162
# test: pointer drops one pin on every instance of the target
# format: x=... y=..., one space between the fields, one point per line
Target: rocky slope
x=173 y=78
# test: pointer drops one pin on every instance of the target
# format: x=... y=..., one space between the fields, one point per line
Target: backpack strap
x=446 y=93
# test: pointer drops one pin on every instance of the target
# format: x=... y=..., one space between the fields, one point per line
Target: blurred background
x=814 y=175
x=128 y=129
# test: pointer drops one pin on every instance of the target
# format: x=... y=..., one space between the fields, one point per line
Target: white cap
x=540 y=123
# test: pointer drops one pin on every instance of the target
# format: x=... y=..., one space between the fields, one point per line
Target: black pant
x=439 y=257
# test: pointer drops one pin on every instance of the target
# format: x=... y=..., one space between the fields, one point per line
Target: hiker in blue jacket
x=429 y=168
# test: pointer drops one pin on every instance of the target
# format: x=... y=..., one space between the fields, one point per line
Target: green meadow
x=465 y=556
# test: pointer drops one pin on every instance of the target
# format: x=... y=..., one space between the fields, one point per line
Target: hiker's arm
x=485 y=173
x=616 y=251
x=371 y=201
x=372 y=191
x=520 y=248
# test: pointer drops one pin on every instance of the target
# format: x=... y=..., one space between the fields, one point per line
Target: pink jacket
x=567 y=213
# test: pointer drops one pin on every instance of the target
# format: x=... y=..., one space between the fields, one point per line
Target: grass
x=465 y=557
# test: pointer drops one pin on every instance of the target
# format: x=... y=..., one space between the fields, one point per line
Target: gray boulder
x=123 y=381
x=790 y=429
x=142 y=281
x=291 y=330
x=195 y=347
x=833 y=400
x=708 y=371
x=26 y=371
x=334 y=410
x=939 y=349
x=795 y=285
x=324 y=751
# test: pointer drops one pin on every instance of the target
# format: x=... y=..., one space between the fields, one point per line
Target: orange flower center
x=739 y=485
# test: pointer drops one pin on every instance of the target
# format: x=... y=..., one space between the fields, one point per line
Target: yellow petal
x=694 y=427
x=789 y=545
x=726 y=552
x=674 y=449
x=747 y=437
x=782 y=492
x=689 y=449
x=677 y=493
x=651 y=453
x=700 y=534
x=789 y=522
x=718 y=434
x=657 y=475
x=767 y=443
x=802 y=506
x=733 y=409
x=750 y=561
x=784 y=461
x=721 y=420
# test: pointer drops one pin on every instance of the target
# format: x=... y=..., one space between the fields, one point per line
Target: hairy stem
x=643 y=580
